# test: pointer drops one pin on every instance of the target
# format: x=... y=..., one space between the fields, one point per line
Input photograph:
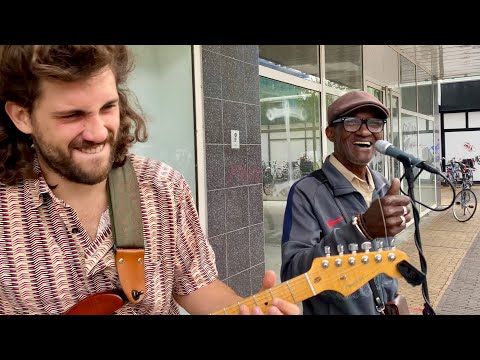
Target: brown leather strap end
x=131 y=273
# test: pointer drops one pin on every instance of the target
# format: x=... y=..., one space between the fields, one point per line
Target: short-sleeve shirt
x=48 y=263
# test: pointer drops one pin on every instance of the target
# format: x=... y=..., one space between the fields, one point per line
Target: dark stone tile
x=237 y=208
x=254 y=163
x=238 y=251
x=214 y=48
x=219 y=246
x=255 y=204
x=241 y=284
x=216 y=212
x=236 y=170
x=235 y=51
x=233 y=80
x=252 y=92
x=212 y=74
x=257 y=245
x=213 y=121
x=215 y=165
x=253 y=124
x=234 y=119
x=251 y=54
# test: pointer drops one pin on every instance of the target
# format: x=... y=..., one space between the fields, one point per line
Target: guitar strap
x=127 y=230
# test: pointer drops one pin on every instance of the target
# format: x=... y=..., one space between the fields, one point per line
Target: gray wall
x=234 y=181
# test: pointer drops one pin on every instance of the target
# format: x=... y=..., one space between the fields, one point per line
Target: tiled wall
x=234 y=181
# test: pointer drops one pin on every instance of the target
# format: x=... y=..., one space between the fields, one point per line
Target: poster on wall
x=463 y=145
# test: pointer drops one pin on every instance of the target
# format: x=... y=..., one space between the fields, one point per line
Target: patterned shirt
x=48 y=262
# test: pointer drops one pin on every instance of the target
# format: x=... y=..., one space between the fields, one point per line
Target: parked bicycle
x=451 y=173
x=465 y=203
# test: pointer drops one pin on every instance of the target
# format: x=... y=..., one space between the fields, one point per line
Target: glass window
x=290 y=118
x=329 y=99
x=290 y=135
x=426 y=152
x=425 y=92
x=165 y=94
x=377 y=162
x=410 y=145
x=343 y=67
x=375 y=92
x=408 y=84
x=473 y=119
x=298 y=60
x=454 y=120
x=395 y=134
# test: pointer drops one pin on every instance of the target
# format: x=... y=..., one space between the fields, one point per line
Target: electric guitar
x=344 y=273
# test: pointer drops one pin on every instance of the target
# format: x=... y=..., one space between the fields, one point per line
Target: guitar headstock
x=346 y=273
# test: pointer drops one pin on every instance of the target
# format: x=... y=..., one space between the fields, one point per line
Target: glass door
x=393 y=130
x=378 y=162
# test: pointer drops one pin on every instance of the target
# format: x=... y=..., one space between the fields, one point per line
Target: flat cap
x=352 y=101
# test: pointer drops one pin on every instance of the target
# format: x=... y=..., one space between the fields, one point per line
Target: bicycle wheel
x=465 y=205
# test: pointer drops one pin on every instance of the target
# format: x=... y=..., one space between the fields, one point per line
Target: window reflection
x=290 y=135
x=343 y=67
x=298 y=60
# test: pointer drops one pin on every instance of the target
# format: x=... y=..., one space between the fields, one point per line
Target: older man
x=345 y=204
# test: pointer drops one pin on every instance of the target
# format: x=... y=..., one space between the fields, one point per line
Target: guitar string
x=284 y=290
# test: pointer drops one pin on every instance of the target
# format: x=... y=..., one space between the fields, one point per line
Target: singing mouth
x=363 y=144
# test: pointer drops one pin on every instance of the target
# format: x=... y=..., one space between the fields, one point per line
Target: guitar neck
x=346 y=274
x=294 y=290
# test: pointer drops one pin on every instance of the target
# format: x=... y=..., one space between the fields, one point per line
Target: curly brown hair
x=23 y=67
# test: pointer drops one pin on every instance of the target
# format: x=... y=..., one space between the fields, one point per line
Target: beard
x=63 y=163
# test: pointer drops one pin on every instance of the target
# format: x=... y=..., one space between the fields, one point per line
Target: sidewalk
x=452 y=253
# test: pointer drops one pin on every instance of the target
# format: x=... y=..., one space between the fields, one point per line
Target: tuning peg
x=380 y=245
x=366 y=246
x=327 y=250
x=392 y=243
x=340 y=249
x=353 y=248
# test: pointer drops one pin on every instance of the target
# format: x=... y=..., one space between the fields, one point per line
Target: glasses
x=353 y=124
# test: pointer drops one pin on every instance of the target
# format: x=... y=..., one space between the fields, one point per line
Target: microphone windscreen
x=382 y=145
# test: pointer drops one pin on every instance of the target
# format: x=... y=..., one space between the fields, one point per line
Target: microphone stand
x=409 y=176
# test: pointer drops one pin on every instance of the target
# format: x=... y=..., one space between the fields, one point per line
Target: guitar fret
x=345 y=280
x=310 y=284
x=291 y=293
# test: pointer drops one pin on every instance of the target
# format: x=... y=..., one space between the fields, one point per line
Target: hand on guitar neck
x=344 y=273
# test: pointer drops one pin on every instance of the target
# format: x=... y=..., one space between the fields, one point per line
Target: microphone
x=387 y=148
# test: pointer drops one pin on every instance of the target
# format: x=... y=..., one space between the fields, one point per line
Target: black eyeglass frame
x=362 y=121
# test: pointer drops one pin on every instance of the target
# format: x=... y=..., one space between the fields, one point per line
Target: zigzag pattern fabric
x=48 y=262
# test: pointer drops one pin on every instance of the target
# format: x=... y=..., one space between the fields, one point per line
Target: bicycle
x=451 y=173
x=465 y=203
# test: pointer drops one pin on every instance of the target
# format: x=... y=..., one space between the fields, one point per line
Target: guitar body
x=105 y=303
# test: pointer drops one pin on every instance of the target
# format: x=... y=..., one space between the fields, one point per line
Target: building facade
x=243 y=122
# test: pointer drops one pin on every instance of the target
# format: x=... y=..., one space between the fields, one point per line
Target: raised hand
x=396 y=212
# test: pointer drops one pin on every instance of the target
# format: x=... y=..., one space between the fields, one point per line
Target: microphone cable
x=427 y=309
x=428 y=207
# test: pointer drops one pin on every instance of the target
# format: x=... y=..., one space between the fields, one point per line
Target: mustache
x=85 y=144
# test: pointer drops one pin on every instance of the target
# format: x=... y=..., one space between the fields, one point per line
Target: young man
x=65 y=121
x=348 y=210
